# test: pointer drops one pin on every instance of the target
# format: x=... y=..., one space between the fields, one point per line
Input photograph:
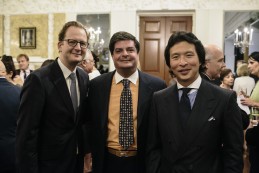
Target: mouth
x=184 y=71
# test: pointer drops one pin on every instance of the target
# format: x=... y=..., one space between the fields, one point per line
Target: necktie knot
x=72 y=76
x=125 y=83
x=186 y=90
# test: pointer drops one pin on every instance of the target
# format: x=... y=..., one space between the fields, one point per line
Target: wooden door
x=154 y=34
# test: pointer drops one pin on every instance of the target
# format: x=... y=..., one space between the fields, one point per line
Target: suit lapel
x=143 y=97
x=82 y=85
x=61 y=85
x=106 y=97
x=173 y=121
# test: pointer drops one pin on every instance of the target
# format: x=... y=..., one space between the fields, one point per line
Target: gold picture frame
x=27 y=37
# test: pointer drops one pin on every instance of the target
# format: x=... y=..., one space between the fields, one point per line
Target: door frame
x=159 y=13
x=163 y=14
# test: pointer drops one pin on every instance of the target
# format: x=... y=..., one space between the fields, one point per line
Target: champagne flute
x=255 y=115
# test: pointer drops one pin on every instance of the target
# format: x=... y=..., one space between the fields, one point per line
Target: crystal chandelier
x=243 y=38
x=95 y=43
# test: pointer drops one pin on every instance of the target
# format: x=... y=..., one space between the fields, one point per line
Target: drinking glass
x=255 y=115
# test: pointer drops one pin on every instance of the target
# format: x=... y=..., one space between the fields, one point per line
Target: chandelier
x=243 y=39
x=95 y=43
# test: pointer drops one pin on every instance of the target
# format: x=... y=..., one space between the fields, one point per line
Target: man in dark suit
x=214 y=63
x=49 y=132
x=108 y=150
x=199 y=131
x=9 y=104
x=24 y=70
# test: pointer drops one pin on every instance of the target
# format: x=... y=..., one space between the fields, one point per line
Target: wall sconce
x=243 y=38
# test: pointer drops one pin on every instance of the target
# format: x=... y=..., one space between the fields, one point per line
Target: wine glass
x=242 y=91
x=255 y=115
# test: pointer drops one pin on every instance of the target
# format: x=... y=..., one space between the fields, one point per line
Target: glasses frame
x=80 y=43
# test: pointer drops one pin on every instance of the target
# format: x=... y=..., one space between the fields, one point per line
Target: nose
x=124 y=52
x=77 y=46
x=182 y=60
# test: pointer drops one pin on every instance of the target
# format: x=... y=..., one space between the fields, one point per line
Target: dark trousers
x=72 y=164
x=115 y=164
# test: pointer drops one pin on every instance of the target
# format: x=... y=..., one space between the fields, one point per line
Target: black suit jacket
x=212 y=141
x=19 y=71
x=99 y=95
x=48 y=133
x=9 y=104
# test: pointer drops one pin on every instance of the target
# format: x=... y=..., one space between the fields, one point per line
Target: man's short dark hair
x=188 y=37
x=120 y=36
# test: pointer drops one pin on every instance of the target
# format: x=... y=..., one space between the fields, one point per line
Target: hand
x=247 y=101
x=88 y=163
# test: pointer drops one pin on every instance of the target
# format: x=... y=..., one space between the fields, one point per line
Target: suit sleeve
x=153 y=153
x=30 y=111
x=233 y=138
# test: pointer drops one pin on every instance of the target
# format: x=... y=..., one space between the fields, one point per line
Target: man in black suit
x=24 y=70
x=203 y=134
x=49 y=132
x=108 y=150
x=9 y=104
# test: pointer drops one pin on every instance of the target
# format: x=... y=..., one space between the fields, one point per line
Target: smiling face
x=23 y=63
x=125 y=57
x=70 y=56
x=184 y=62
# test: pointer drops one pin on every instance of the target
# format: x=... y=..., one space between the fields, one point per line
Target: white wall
x=207 y=24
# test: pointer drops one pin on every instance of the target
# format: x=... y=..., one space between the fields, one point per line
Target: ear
x=60 y=43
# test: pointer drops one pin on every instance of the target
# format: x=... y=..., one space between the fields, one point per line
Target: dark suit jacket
x=99 y=95
x=48 y=132
x=19 y=71
x=252 y=139
x=245 y=117
x=212 y=141
x=9 y=104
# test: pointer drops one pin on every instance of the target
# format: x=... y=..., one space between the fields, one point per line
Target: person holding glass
x=252 y=133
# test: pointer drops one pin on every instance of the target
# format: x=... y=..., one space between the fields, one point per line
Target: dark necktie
x=25 y=75
x=126 y=133
x=73 y=91
x=185 y=105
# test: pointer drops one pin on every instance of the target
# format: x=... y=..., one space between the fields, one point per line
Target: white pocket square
x=211 y=119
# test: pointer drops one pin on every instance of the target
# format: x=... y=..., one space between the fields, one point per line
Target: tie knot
x=72 y=76
x=125 y=83
x=186 y=90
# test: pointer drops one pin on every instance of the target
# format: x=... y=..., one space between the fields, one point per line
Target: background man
x=88 y=64
x=112 y=151
x=9 y=103
x=196 y=131
x=23 y=61
x=214 y=63
x=49 y=132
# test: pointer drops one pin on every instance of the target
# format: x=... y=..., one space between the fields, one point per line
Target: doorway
x=154 y=34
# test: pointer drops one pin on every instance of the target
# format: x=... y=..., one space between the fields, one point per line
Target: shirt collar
x=66 y=72
x=195 y=85
x=133 y=78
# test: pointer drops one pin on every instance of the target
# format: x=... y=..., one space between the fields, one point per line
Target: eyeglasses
x=88 y=60
x=73 y=43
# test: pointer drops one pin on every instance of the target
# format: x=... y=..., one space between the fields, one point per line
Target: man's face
x=125 y=57
x=88 y=63
x=184 y=62
x=71 y=54
x=23 y=63
x=253 y=67
x=215 y=65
